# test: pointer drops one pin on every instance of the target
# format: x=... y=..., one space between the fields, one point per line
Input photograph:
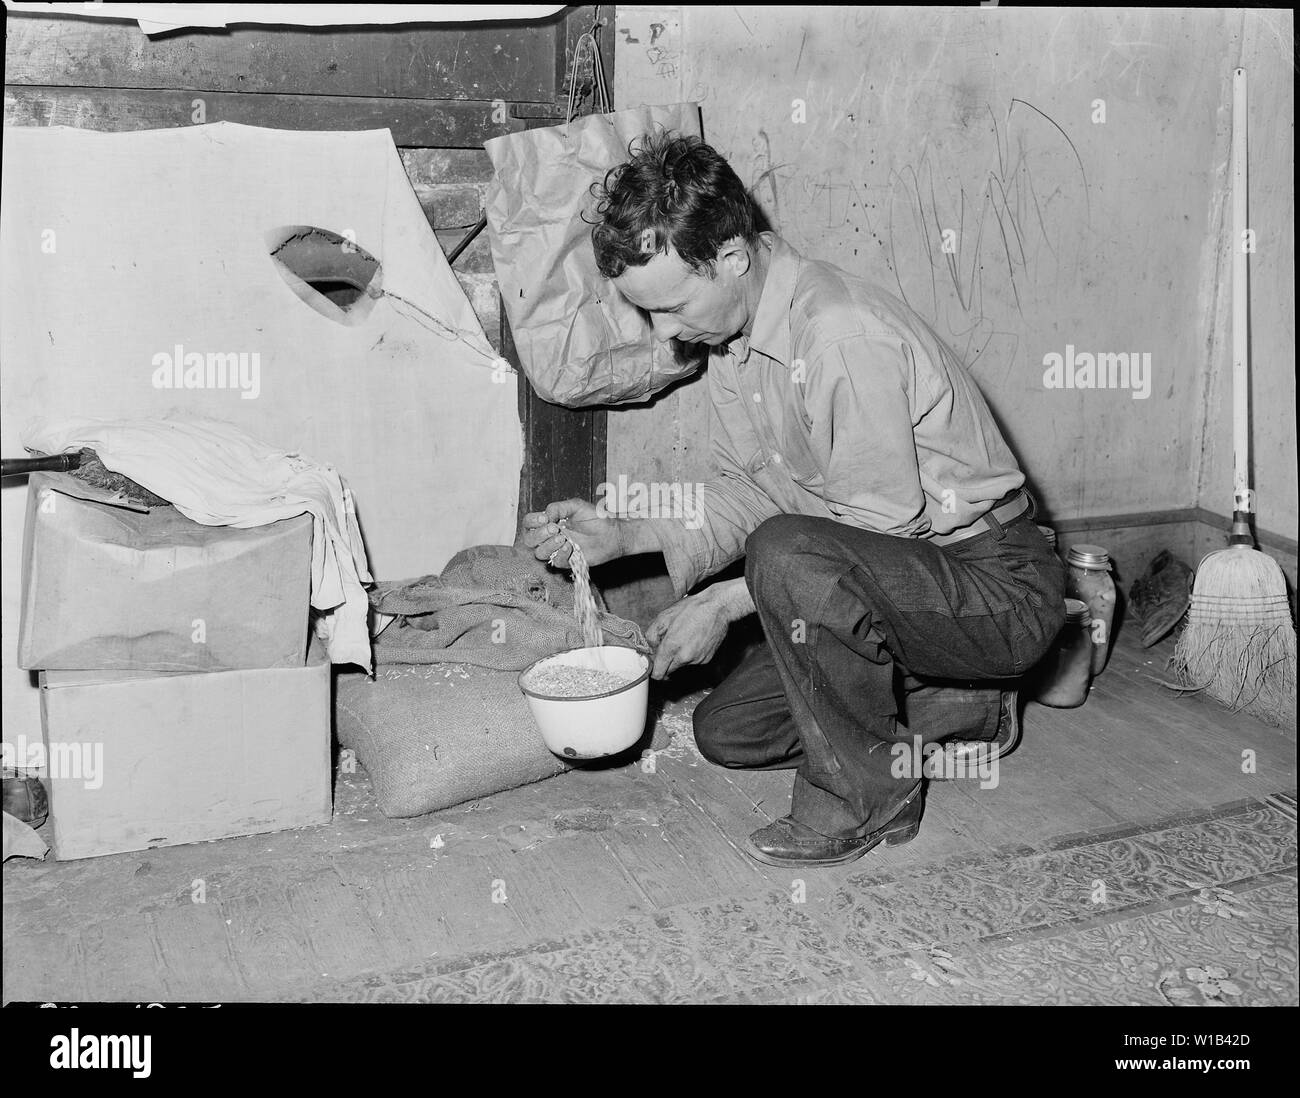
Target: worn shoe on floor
x=787 y=842
x=25 y=799
x=965 y=757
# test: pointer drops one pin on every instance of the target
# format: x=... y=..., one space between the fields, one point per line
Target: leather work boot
x=964 y=757
x=787 y=842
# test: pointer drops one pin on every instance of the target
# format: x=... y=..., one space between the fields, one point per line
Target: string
x=600 y=87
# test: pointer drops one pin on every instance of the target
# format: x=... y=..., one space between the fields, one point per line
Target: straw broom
x=1239 y=642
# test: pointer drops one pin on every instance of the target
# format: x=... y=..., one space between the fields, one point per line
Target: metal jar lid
x=1049 y=534
x=1088 y=556
x=1076 y=612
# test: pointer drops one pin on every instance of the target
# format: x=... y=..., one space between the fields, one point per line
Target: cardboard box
x=109 y=585
x=139 y=760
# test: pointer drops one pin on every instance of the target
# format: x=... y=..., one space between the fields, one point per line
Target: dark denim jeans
x=872 y=640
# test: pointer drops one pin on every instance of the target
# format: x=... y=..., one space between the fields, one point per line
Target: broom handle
x=1242 y=504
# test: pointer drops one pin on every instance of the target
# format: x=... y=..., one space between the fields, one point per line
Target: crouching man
x=890 y=549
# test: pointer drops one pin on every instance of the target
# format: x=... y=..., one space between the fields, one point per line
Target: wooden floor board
x=404 y=908
x=719 y=801
x=540 y=901
x=719 y=866
x=1089 y=764
x=583 y=851
x=120 y=959
x=197 y=960
x=601 y=889
x=466 y=886
x=50 y=959
x=339 y=931
x=658 y=869
x=266 y=937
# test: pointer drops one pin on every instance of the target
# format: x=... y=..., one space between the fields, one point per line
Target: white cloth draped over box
x=118 y=250
x=217 y=475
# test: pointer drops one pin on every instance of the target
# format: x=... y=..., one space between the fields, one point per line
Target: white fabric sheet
x=218 y=475
x=122 y=250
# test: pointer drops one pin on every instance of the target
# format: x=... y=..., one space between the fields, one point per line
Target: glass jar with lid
x=1088 y=580
x=1064 y=675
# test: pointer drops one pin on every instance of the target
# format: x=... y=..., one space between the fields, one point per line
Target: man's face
x=686 y=306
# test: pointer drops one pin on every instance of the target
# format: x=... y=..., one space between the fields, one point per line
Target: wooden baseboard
x=1279 y=542
x=1267 y=538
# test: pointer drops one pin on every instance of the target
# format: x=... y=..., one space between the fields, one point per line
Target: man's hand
x=691 y=631
x=600 y=538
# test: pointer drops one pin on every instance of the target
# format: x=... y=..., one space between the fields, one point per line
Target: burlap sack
x=493 y=606
x=444 y=720
x=437 y=735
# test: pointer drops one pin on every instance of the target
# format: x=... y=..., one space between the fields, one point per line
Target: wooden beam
x=564 y=448
x=1104 y=522
x=415 y=123
x=515 y=63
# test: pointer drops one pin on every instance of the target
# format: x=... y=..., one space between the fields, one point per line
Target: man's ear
x=734 y=256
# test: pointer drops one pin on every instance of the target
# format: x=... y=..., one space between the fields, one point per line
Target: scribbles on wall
x=974 y=241
x=1125 y=57
x=654 y=37
x=974 y=230
x=766 y=181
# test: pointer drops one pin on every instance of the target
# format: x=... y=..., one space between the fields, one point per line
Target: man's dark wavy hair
x=680 y=189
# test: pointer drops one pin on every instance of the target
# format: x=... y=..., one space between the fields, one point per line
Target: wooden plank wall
x=438 y=89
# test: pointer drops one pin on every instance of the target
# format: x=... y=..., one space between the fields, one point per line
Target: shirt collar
x=771 y=331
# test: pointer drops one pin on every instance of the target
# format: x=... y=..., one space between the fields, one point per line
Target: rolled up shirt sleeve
x=728 y=508
x=856 y=397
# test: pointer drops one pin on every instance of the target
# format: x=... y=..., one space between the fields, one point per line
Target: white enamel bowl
x=599 y=725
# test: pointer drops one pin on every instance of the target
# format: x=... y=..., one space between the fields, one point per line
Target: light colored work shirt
x=841 y=404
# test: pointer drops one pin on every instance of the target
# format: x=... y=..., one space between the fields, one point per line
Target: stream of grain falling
x=584 y=602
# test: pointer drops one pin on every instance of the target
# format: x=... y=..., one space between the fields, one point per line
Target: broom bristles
x=1239 y=643
x=1239 y=572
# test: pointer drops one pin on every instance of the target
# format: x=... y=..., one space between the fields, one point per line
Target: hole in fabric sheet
x=328 y=271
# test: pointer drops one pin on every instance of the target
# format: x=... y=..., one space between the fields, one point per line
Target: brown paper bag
x=579 y=341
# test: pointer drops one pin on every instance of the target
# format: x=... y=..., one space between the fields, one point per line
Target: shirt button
x=776 y=458
x=758 y=398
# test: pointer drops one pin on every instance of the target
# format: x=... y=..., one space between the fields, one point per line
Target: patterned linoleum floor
x=1198 y=909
